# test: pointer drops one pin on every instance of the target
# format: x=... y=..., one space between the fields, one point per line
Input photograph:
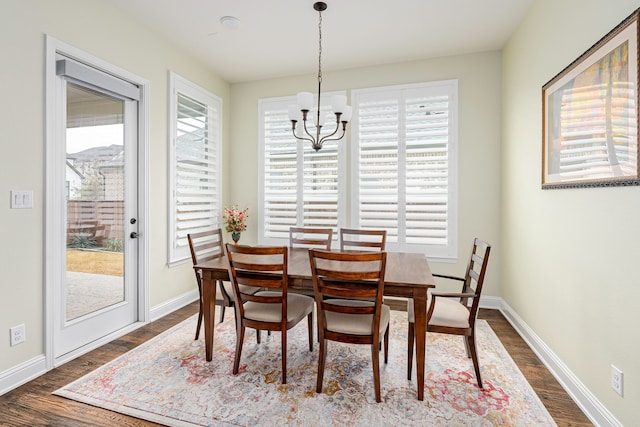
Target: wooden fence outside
x=101 y=219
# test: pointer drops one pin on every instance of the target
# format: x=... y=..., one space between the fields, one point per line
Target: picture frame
x=590 y=115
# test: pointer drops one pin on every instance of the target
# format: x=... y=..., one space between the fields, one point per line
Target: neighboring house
x=113 y=173
x=101 y=171
x=74 y=181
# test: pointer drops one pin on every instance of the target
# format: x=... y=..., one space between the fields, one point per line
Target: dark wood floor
x=33 y=404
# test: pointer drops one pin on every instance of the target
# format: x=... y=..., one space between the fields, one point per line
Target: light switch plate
x=21 y=199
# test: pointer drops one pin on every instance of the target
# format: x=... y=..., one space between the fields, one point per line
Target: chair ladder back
x=259 y=267
x=205 y=245
x=475 y=275
x=310 y=237
x=362 y=239
x=334 y=276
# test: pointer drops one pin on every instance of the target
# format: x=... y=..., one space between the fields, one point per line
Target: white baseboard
x=588 y=403
x=172 y=305
x=22 y=373
x=493 y=303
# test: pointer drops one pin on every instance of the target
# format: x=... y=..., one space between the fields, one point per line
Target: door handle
x=134 y=235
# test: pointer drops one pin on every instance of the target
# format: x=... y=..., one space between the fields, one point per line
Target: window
x=403 y=168
x=195 y=135
x=299 y=186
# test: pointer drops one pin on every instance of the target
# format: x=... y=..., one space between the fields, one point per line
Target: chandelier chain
x=320 y=48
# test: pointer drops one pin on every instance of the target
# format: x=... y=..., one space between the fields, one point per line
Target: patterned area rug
x=167 y=380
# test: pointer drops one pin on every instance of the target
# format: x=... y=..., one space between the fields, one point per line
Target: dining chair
x=271 y=309
x=450 y=312
x=204 y=246
x=362 y=240
x=338 y=277
x=307 y=237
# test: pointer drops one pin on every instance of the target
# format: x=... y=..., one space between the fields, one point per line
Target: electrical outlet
x=616 y=380
x=17 y=334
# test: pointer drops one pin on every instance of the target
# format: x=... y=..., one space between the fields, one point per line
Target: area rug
x=167 y=380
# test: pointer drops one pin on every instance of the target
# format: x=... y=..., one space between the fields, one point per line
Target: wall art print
x=590 y=115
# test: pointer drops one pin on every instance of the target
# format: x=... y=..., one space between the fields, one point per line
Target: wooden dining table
x=407 y=275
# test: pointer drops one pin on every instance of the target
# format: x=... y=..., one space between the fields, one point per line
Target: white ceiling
x=278 y=38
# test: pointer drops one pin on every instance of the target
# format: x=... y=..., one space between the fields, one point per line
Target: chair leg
x=410 y=344
x=466 y=346
x=310 y=327
x=239 y=341
x=283 y=336
x=258 y=335
x=321 y=359
x=471 y=344
x=199 y=321
x=375 y=357
x=222 y=313
x=386 y=345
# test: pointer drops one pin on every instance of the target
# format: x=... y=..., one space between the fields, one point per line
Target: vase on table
x=235 y=236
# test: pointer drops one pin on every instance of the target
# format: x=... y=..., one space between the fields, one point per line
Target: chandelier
x=305 y=101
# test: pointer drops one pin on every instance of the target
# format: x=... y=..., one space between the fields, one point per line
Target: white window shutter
x=404 y=167
x=280 y=175
x=195 y=159
x=299 y=186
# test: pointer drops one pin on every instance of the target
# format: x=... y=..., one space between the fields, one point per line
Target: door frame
x=53 y=218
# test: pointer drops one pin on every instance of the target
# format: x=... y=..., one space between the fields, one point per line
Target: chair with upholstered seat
x=362 y=240
x=456 y=312
x=271 y=309
x=307 y=237
x=337 y=278
x=204 y=246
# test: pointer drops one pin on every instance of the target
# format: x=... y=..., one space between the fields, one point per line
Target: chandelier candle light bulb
x=305 y=100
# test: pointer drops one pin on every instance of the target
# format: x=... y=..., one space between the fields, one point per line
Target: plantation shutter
x=300 y=187
x=196 y=159
x=403 y=166
x=320 y=181
x=280 y=178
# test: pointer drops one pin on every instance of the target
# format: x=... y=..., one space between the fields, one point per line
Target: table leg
x=209 y=308
x=420 y=310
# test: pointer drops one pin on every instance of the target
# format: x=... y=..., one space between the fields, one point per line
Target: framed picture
x=590 y=115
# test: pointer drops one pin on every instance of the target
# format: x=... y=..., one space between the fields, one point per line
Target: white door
x=95 y=292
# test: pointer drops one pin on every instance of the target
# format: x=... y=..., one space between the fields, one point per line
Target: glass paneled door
x=95 y=202
x=97 y=292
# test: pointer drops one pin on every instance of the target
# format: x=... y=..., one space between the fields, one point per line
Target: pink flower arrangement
x=235 y=219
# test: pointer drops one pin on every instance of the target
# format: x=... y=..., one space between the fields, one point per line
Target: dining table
x=407 y=275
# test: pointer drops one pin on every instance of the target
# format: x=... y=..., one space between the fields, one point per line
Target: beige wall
x=570 y=256
x=479 y=95
x=99 y=29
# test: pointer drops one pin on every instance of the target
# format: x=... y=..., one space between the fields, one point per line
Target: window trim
x=179 y=84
